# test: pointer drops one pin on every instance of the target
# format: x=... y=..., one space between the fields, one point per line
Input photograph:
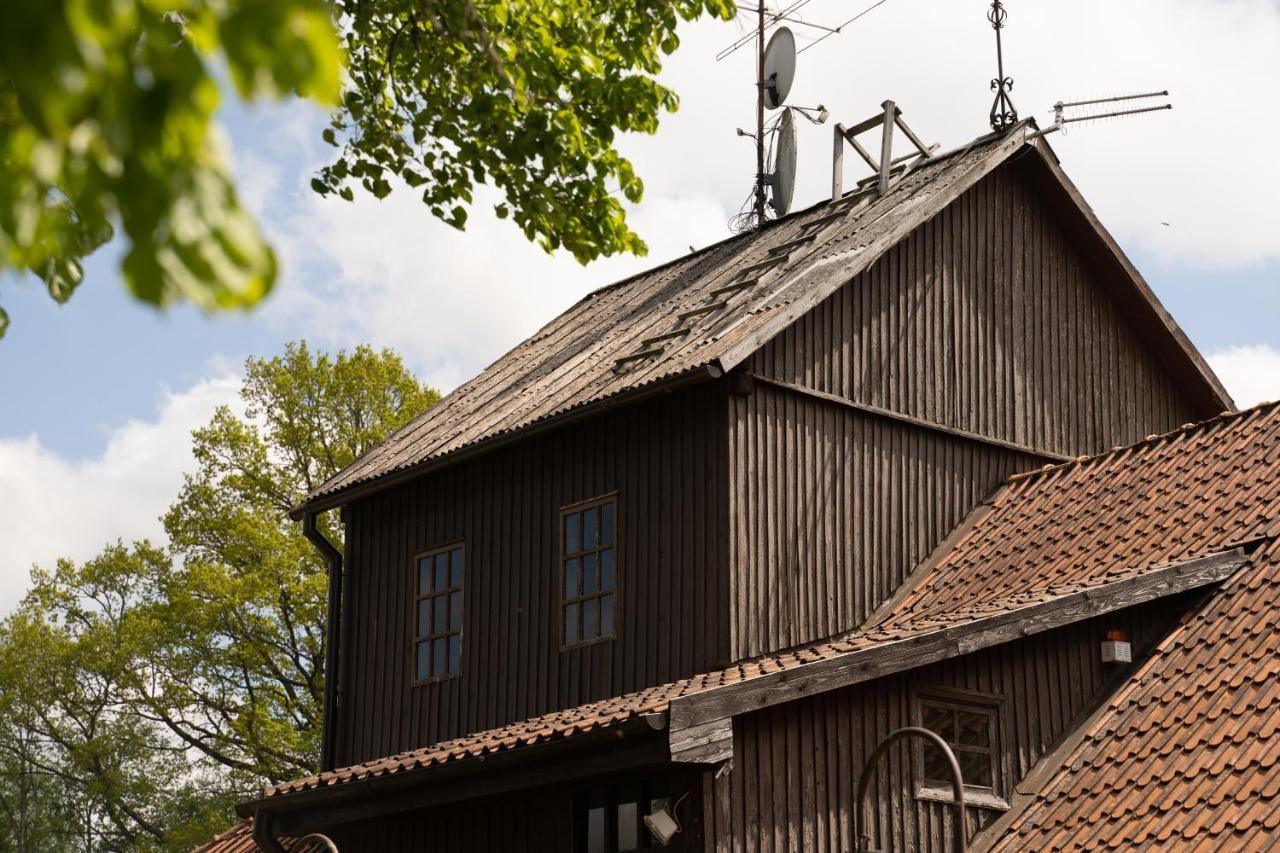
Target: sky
x=98 y=397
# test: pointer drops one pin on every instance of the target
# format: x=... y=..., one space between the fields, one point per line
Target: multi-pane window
x=438 y=614
x=588 y=567
x=969 y=728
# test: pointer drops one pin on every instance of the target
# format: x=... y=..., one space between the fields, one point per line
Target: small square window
x=968 y=722
x=438 y=614
x=588 y=572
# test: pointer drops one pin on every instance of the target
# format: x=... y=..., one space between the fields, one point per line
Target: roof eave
x=635 y=742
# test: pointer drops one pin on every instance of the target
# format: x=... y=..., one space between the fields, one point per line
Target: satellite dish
x=783 y=179
x=779 y=67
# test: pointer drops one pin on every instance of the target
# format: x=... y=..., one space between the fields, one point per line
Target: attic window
x=588 y=571
x=438 y=614
x=969 y=722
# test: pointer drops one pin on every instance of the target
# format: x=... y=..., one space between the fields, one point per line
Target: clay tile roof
x=712 y=307
x=239 y=839
x=1187 y=754
x=1200 y=489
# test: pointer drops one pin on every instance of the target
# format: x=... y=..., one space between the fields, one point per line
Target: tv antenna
x=775 y=72
x=1061 y=118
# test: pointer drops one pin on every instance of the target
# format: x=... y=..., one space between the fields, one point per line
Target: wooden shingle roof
x=705 y=313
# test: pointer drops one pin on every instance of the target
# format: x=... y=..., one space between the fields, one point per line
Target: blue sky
x=97 y=397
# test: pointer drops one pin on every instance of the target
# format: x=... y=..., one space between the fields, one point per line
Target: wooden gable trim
x=698 y=710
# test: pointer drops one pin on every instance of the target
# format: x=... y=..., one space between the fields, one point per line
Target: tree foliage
x=150 y=687
x=525 y=95
x=107 y=122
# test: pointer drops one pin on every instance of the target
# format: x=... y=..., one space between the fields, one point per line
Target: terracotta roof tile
x=1187 y=755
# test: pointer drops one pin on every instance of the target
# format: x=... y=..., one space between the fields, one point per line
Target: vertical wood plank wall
x=666 y=460
x=989 y=319
x=796 y=766
x=832 y=508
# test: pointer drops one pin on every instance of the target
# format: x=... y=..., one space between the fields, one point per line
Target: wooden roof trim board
x=895 y=655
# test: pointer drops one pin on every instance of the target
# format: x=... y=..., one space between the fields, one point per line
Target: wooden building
x=697 y=546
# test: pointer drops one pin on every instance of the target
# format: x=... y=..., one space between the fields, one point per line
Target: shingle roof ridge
x=1148 y=441
x=961 y=149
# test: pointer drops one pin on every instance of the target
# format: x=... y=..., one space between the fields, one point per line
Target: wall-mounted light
x=1116 y=648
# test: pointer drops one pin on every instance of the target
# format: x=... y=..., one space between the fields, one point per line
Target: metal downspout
x=329 y=729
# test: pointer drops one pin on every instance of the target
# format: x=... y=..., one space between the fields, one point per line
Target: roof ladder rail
x=766 y=264
x=622 y=361
x=700 y=310
x=734 y=287
x=785 y=248
x=817 y=224
x=646 y=343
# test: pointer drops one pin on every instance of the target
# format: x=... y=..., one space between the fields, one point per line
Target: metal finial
x=1003 y=113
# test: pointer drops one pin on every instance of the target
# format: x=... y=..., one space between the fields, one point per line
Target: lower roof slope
x=1187 y=754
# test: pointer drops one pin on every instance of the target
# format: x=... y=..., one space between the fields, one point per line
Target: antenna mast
x=760 y=177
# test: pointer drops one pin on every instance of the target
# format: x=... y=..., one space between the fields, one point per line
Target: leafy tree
x=159 y=685
x=106 y=121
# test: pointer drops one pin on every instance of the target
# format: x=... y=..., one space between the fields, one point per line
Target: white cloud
x=1251 y=373
x=58 y=507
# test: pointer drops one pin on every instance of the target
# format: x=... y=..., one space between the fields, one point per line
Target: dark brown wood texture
x=832 y=508
x=994 y=318
x=534 y=821
x=665 y=459
x=795 y=765
x=990 y=321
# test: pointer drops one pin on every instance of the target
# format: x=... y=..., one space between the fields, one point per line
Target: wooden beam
x=700 y=709
x=933 y=426
x=711 y=743
x=886 y=144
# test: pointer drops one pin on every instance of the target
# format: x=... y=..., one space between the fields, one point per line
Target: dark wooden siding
x=795 y=766
x=666 y=460
x=538 y=820
x=989 y=322
x=990 y=318
x=832 y=507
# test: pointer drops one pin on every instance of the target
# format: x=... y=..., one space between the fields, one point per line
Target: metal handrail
x=316 y=838
x=863 y=839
